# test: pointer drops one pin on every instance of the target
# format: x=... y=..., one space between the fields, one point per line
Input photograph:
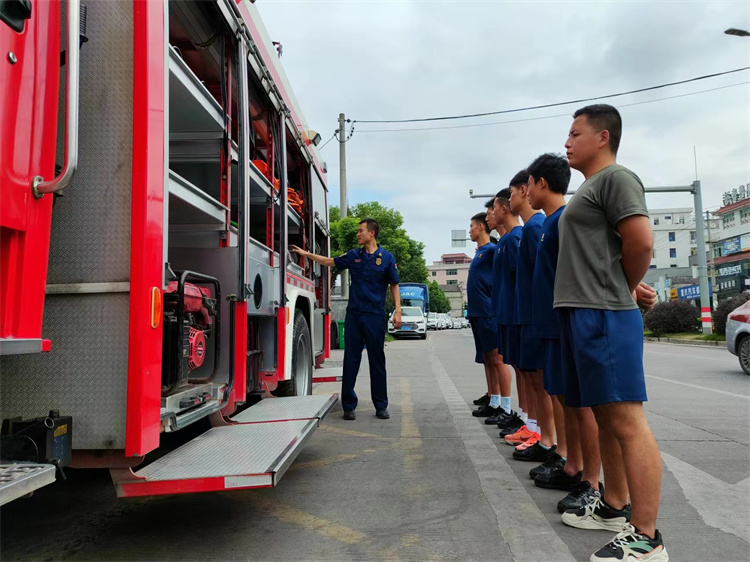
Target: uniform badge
x=378 y=261
x=480 y=255
x=519 y=243
x=542 y=236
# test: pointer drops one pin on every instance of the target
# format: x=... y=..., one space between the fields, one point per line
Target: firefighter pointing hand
x=372 y=270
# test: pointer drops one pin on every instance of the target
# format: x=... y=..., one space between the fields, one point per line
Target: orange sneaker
x=529 y=442
x=519 y=436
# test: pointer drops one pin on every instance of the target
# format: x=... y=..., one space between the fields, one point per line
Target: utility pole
x=711 y=257
x=342 y=183
x=702 y=269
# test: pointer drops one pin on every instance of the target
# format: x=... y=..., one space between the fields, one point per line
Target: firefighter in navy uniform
x=372 y=269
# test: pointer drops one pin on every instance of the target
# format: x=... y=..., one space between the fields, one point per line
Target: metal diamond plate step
x=18 y=480
x=292 y=408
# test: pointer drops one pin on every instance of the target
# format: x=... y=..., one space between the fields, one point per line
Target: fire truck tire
x=302 y=362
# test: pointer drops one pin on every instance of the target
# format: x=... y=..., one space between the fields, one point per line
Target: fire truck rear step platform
x=254 y=452
x=20 y=479
x=328 y=374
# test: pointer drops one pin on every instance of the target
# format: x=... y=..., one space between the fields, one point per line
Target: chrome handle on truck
x=38 y=186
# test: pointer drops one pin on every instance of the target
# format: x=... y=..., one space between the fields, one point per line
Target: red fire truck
x=154 y=169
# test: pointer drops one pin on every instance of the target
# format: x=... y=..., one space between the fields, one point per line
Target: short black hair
x=521 y=178
x=372 y=226
x=604 y=117
x=553 y=168
x=481 y=218
x=504 y=196
x=490 y=203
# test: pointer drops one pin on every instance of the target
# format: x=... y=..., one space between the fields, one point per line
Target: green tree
x=438 y=300
x=409 y=253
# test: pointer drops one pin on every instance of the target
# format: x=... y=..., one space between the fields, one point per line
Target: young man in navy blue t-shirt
x=506 y=303
x=499 y=378
x=479 y=294
x=530 y=357
x=575 y=467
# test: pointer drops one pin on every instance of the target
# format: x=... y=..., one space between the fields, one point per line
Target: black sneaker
x=598 y=515
x=510 y=420
x=383 y=414
x=579 y=496
x=552 y=463
x=349 y=415
x=558 y=480
x=511 y=429
x=535 y=453
x=483 y=401
x=632 y=545
x=497 y=418
x=486 y=411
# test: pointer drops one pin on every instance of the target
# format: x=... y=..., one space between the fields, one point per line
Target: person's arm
x=322 y=260
x=397 y=303
x=637 y=248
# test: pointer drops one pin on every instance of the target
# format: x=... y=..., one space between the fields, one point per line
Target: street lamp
x=737 y=32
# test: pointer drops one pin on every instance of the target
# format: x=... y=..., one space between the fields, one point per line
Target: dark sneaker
x=383 y=414
x=483 y=401
x=558 y=480
x=501 y=417
x=579 y=496
x=512 y=428
x=598 y=515
x=632 y=545
x=486 y=411
x=509 y=420
x=535 y=453
x=349 y=415
x=553 y=463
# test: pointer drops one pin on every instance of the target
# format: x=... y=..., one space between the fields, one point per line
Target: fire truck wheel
x=302 y=367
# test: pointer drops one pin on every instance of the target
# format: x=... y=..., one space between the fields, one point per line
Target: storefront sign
x=692 y=292
x=731 y=246
x=730 y=270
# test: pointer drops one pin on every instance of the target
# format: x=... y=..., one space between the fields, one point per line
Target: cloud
x=391 y=60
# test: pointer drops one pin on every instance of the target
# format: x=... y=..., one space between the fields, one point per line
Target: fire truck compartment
x=254 y=452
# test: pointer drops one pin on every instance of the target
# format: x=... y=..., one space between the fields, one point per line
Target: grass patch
x=389 y=337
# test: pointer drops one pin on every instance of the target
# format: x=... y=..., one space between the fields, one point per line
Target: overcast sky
x=402 y=60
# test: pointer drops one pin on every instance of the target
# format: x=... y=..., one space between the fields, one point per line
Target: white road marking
x=523 y=526
x=699 y=387
x=719 y=504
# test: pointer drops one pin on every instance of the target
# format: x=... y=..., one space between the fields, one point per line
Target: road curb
x=683 y=341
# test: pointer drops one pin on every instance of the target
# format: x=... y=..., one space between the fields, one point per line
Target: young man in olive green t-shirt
x=605 y=250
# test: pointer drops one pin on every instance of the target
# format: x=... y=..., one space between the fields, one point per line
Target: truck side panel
x=85 y=376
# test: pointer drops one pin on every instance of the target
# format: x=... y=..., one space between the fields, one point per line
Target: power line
x=492 y=123
x=468 y=115
x=325 y=143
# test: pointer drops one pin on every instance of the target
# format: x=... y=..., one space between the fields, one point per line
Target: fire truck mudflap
x=253 y=451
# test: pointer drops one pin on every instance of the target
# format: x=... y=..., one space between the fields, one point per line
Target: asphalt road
x=431 y=483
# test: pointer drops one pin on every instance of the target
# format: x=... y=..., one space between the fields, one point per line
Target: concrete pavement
x=431 y=483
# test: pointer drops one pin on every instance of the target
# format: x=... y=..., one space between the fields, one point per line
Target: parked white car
x=432 y=320
x=413 y=323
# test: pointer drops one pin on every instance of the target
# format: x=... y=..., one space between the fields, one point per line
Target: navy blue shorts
x=602 y=356
x=554 y=382
x=500 y=343
x=510 y=336
x=531 y=357
x=485 y=333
